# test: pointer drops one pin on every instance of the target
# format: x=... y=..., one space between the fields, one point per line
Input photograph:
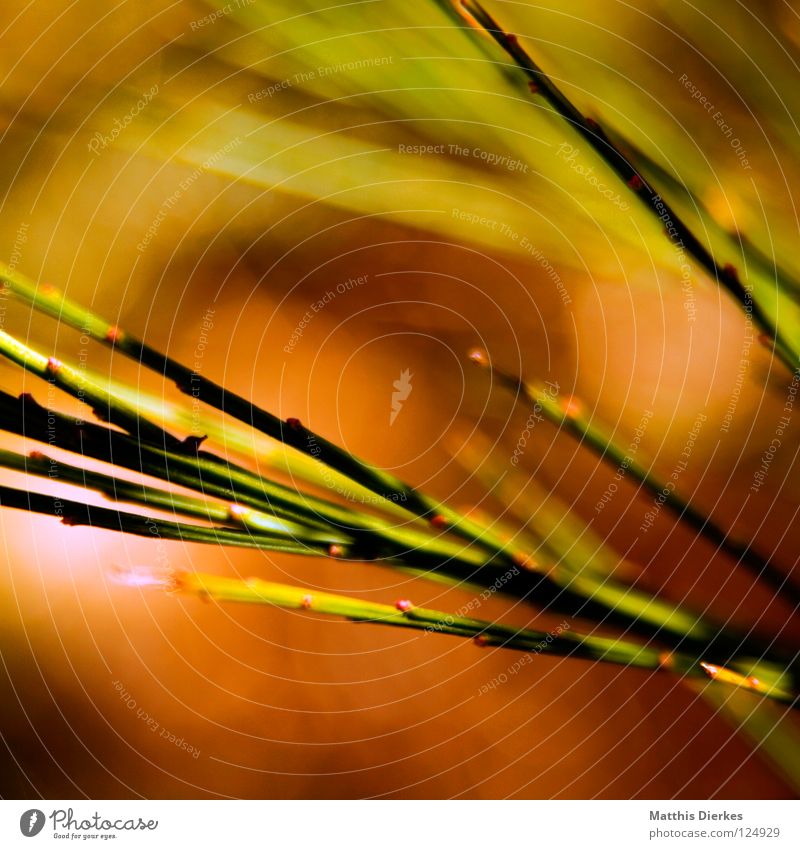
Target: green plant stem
x=412 y=548
x=568 y=592
x=117 y=489
x=571 y=557
x=280 y=499
x=290 y=432
x=561 y=642
x=678 y=231
x=373 y=540
x=265 y=451
x=752 y=255
x=547 y=590
x=574 y=421
x=76 y=513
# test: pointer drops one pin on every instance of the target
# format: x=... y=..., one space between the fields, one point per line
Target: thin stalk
x=677 y=230
x=568 y=415
x=399 y=543
x=373 y=540
x=263 y=450
x=291 y=432
x=76 y=513
x=752 y=255
x=569 y=560
x=150 y=437
x=527 y=579
x=117 y=489
x=560 y=642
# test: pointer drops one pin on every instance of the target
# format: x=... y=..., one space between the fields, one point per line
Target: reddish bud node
x=440 y=522
x=403 y=605
x=48 y=290
x=53 y=365
x=592 y=124
x=70 y=520
x=665 y=660
x=730 y=271
x=114 y=335
x=533 y=86
x=478 y=357
x=237 y=512
x=635 y=183
x=480 y=640
x=524 y=561
x=305 y=602
x=37 y=455
x=571 y=407
x=511 y=39
x=765 y=339
x=335 y=550
x=711 y=670
x=294 y=424
x=178 y=582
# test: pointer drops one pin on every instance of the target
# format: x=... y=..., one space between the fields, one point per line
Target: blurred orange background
x=108 y=691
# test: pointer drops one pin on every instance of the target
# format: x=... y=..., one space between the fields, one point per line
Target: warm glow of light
x=237 y=512
x=141 y=576
x=572 y=407
x=479 y=357
x=728 y=676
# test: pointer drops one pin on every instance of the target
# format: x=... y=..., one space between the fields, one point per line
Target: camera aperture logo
x=31 y=822
x=66 y=826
